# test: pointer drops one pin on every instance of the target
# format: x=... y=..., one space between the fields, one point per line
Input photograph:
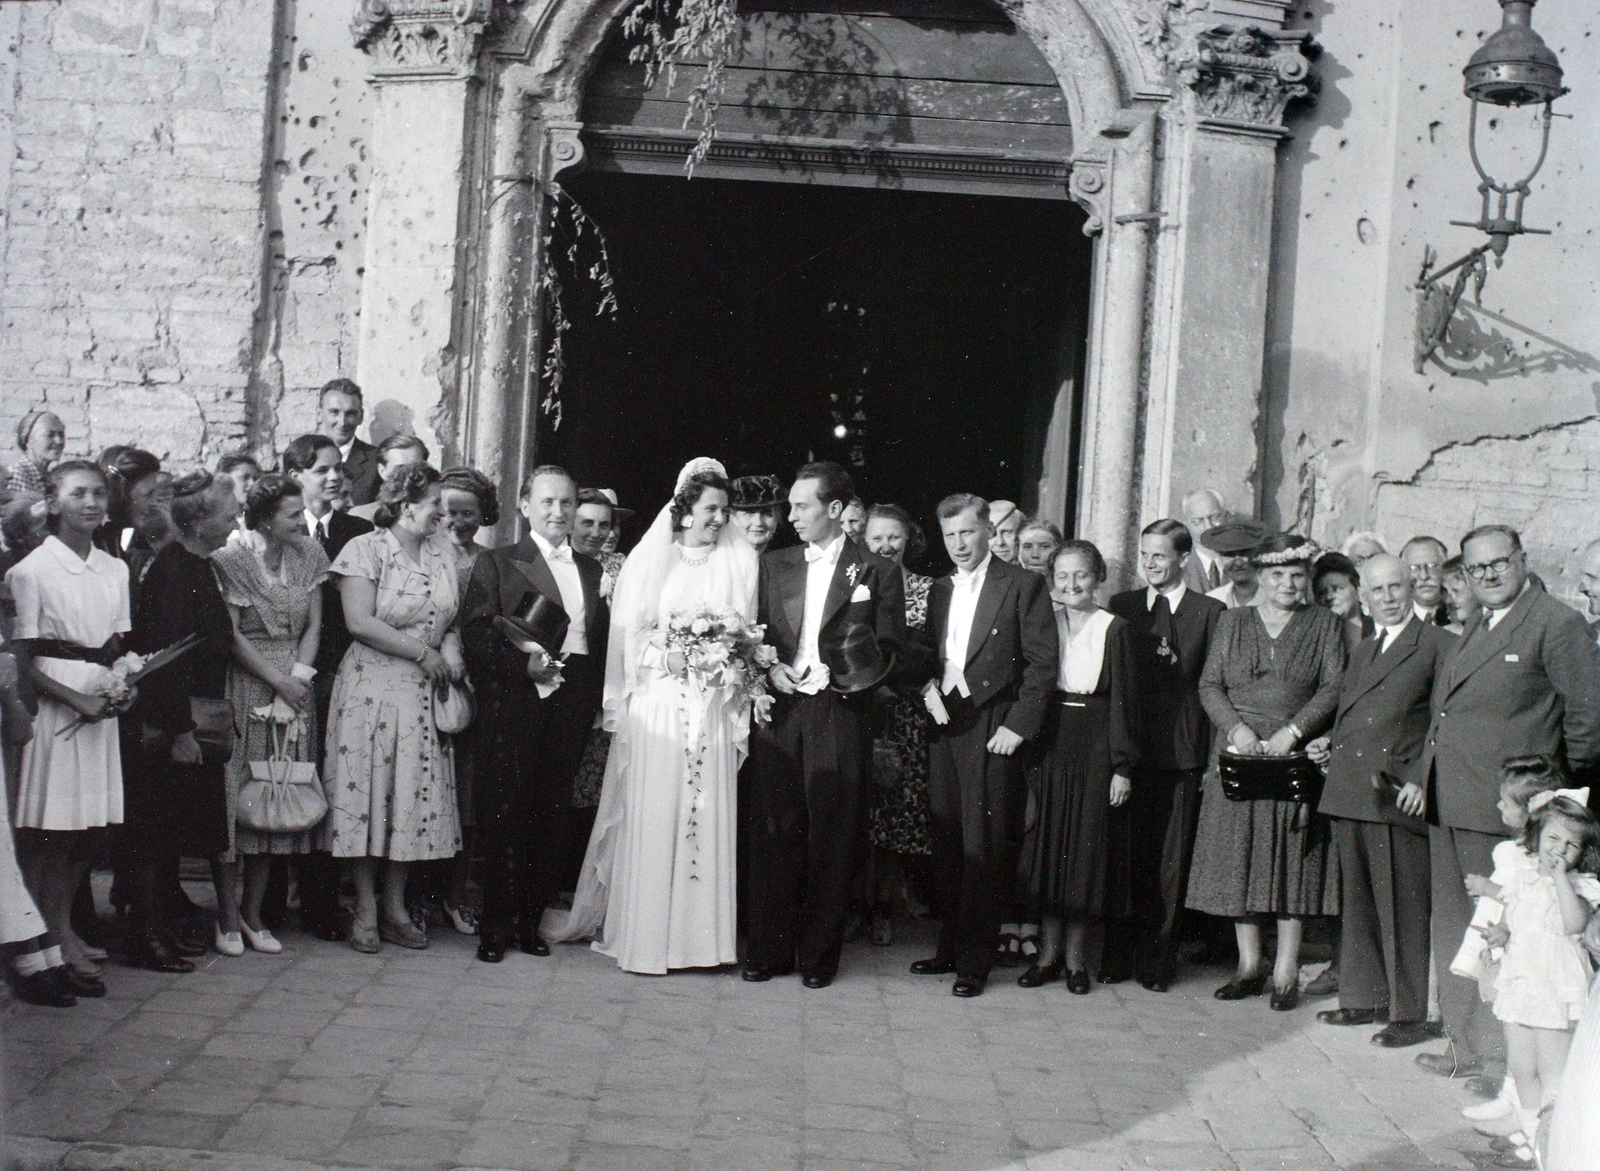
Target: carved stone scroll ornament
x=1246 y=76
x=422 y=38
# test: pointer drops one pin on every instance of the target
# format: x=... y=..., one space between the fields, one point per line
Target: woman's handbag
x=282 y=795
x=452 y=709
x=213 y=728
x=1270 y=778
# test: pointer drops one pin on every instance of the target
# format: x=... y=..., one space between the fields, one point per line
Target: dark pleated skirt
x=1075 y=856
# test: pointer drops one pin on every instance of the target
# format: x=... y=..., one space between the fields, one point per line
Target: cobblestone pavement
x=321 y=1056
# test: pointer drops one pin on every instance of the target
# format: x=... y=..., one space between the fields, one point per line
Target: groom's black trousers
x=809 y=769
x=524 y=768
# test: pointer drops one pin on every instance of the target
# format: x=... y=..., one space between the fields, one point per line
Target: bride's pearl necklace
x=696 y=556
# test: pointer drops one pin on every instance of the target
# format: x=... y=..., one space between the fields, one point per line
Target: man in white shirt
x=998 y=655
x=1005 y=522
x=1206 y=569
x=339 y=413
x=810 y=763
x=535 y=709
x=1424 y=559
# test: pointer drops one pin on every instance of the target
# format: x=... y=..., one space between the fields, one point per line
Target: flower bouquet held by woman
x=719 y=648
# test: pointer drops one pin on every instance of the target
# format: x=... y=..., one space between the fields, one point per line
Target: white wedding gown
x=657 y=888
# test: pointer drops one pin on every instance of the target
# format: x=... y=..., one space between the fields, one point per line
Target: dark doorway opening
x=920 y=339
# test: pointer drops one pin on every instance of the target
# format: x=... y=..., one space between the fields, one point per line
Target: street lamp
x=1513 y=67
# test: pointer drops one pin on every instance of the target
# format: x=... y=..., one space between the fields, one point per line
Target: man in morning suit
x=535 y=710
x=998 y=656
x=339 y=413
x=1206 y=569
x=312 y=461
x=809 y=765
x=1172 y=624
x=1378 y=828
x=1523 y=678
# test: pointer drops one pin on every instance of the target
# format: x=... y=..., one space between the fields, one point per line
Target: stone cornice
x=1241 y=79
x=422 y=39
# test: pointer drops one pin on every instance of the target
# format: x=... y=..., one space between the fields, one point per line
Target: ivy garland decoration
x=676 y=32
x=553 y=372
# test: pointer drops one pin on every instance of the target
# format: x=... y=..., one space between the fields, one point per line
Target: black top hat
x=537 y=621
x=748 y=493
x=857 y=662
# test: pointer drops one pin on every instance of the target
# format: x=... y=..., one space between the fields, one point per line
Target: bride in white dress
x=657 y=887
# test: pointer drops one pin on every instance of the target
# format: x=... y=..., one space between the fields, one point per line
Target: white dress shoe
x=263 y=941
x=228 y=942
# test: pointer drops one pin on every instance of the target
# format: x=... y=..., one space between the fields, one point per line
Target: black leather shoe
x=185 y=944
x=1448 y=1064
x=1286 y=999
x=816 y=980
x=1037 y=977
x=934 y=967
x=533 y=943
x=1156 y=983
x=1241 y=987
x=48 y=988
x=968 y=987
x=153 y=955
x=1353 y=1016
x=87 y=984
x=491 y=949
x=1078 y=983
x=1402 y=1034
x=761 y=973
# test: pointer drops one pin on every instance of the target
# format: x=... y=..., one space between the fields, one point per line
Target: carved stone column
x=424 y=56
x=1212 y=290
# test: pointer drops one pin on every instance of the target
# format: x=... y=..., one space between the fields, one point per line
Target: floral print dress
x=898 y=809
x=390 y=777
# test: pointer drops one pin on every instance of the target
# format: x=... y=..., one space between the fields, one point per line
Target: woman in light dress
x=389 y=775
x=657 y=887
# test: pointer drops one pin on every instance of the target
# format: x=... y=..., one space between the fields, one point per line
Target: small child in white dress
x=1544 y=972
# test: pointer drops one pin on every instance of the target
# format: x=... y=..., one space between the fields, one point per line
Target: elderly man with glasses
x=1524 y=678
x=1424 y=559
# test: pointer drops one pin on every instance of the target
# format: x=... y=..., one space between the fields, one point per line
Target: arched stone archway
x=1176 y=110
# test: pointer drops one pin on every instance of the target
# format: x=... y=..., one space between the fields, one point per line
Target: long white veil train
x=635 y=610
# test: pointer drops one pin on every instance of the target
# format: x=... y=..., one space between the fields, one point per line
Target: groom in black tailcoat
x=811 y=763
x=534 y=715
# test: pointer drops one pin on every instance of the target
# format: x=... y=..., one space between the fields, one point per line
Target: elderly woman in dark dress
x=1271 y=683
x=176 y=796
x=1075 y=855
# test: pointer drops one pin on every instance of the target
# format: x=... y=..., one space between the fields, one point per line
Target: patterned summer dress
x=389 y=776
x=898 y=809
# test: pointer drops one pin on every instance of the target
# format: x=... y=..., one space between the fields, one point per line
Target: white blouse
x=1083 y=653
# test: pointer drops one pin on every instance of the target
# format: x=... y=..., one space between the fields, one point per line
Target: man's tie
x=562 y=552
x=815 y=553
x=1213 y=576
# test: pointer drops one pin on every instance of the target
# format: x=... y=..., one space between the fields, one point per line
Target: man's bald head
x=1203 y=509
x=1386 y=588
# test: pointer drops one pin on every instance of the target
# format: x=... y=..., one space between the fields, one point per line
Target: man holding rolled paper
x=534 y=634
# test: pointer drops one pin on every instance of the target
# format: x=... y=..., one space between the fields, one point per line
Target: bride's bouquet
x=722 y=650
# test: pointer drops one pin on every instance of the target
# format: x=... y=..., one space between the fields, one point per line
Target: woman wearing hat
x=657 y=887
x=599 y=520
x=41 y=437
x=1271 y=683
x=753 y=507
x=1235 y=541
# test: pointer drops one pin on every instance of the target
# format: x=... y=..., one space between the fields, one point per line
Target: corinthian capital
x=1244 y=77
x=421 y=38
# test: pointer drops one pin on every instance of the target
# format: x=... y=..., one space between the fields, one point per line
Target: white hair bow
x=1539 y=800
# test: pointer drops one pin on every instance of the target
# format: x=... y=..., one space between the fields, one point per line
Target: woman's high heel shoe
x=263 y=941
x=1285 y=999
x=228 y=943
x=1078 y=982
x=1037 y=977
x=1241 y=987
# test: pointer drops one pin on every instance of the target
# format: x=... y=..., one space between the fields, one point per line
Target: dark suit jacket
x=1194 y=574
x=335 y=634
x=1382 y=722
x=1013 y=654
x=1532 y=684
x=782 y=599
x=362 y=469
x=1174 y=732
x=501 y=578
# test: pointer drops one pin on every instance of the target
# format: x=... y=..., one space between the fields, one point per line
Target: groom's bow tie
x=562 y=552
x=816 y=552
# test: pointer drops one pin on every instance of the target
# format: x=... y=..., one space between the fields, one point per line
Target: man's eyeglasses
x=1209 y=521
x=1419 y=572
x=1481 y=570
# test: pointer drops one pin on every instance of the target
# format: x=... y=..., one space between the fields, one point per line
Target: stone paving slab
x=321 y=1058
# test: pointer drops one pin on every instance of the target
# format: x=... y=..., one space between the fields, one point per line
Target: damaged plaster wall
x=1353 y=437
x=133 y=243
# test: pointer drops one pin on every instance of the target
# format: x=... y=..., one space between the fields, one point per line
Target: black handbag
x=1270 y=778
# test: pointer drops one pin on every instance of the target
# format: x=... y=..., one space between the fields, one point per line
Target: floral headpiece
x=694 y=467
x=1304 y=552
x=1539 y=800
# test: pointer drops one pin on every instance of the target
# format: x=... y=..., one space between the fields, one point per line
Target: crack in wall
x=1457 y=444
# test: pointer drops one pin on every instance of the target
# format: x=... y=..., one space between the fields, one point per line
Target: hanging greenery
x=565 y=218
x=670 y=33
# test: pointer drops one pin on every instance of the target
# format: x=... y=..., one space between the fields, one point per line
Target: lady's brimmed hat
x=537 y=621
x=607 y=496
x=1236 y=538
x=752 y=493
x=857 y=662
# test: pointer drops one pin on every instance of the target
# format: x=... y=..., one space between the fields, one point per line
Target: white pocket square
x=862 y=594
x=1513 y=659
